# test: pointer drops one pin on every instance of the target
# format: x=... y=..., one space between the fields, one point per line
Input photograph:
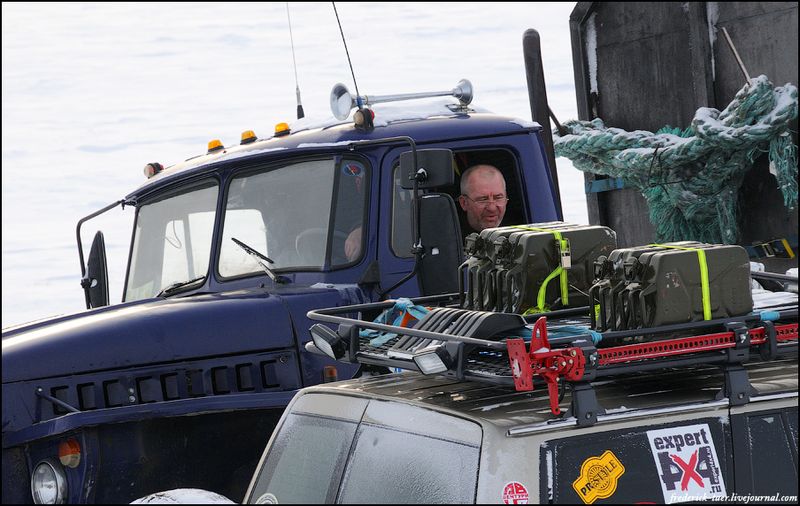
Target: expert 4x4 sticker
x=599 y=477
x=687 y=463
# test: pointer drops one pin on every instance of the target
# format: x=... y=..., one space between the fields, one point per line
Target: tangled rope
x=691 y=179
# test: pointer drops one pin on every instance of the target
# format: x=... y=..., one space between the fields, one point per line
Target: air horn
x=342 y=102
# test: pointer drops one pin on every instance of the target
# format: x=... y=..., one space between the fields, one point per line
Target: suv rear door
x=660 y=463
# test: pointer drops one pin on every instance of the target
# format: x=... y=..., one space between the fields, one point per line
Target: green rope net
x=691 y=178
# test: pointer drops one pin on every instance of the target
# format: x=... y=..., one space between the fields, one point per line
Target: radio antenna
x=300 y=113
x=358 y=95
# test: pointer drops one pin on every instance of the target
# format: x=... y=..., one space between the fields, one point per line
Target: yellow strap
x=540 y=305
x=788 y=248
x=701 y=259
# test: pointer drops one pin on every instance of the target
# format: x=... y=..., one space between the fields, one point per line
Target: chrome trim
x=773 y=397
x=615 y=417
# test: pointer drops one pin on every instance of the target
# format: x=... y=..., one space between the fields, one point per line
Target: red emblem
x=515 y=493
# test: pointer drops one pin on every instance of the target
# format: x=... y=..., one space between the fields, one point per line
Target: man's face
x=485 y=202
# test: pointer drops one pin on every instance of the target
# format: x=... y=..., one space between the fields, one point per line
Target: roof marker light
x=282 y=129
x=363 y=118
x=152 y=168
x=215 y=145
x=248 y=136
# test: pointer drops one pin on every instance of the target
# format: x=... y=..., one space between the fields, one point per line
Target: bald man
x=483 y=196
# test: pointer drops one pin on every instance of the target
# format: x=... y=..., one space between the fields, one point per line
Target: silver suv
x=410 y=438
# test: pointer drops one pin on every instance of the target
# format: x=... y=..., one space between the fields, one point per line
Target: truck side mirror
x=434 y=168
x=95 y=284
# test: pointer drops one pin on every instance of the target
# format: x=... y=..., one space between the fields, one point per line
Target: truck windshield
x=172 y=240
x=303 y=215
x=285 y=214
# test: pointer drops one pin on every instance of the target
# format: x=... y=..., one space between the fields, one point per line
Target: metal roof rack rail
x=508 y=349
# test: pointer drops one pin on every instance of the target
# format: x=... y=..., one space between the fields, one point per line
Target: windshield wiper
x=260 y=258
x=180 y=284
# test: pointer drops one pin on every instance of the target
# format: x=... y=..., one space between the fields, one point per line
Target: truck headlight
x=49 y=483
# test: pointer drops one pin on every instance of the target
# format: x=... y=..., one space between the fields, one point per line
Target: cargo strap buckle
x=565 y=253
x=775 y=248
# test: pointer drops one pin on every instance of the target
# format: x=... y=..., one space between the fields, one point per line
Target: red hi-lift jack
x=570 y=363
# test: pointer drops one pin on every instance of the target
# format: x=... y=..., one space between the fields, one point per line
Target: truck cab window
x=172 y=241
x=401 y=217
x=347 y=241
x=503 y=159
x=507 y=163
x=304 y=230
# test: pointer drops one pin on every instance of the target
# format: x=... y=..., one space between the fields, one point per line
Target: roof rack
x=554 y=348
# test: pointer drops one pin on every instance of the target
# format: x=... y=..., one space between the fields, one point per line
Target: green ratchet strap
x=563 y=244
x=701 y=259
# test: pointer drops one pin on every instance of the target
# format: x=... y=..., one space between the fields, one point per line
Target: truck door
x=527 y=187
x=394 y=229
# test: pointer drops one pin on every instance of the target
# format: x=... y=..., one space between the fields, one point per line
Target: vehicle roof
x=506 y=408
x=433 y=121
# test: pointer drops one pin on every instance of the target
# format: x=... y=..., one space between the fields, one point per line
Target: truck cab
x=182 y=383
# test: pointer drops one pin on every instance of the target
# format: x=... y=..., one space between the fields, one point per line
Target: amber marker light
x=248 y=136
x=215 y=145
x=69 y=453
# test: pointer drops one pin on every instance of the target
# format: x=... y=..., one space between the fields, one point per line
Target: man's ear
x=462 y=201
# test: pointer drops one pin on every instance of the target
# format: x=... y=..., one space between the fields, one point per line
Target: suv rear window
x=305 y=473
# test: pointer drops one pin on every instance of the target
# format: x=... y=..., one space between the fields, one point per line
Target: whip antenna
x=358 y=95
x=300 y=113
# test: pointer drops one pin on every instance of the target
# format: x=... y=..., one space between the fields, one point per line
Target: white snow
x=792 y=287
x=591 y=51
x=765 y=299
x=525 y=123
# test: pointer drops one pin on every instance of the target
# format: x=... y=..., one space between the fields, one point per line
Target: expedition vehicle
x=181 y=384
x=687 y=412
x=410 y=438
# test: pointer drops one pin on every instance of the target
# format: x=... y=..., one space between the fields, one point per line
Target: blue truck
x=181 y=383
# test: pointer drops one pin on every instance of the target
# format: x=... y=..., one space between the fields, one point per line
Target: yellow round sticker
x=598 y=478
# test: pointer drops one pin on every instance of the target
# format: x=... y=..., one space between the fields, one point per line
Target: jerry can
x=680 y=284
x=552 y=266
x=610 y=295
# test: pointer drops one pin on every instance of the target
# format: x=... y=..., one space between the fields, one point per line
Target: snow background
x=93 y=92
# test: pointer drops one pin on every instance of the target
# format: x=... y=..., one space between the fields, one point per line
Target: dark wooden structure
x=645 y=65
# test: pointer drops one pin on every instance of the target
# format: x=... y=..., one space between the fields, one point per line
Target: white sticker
x=267 y=499
x=687 y=463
